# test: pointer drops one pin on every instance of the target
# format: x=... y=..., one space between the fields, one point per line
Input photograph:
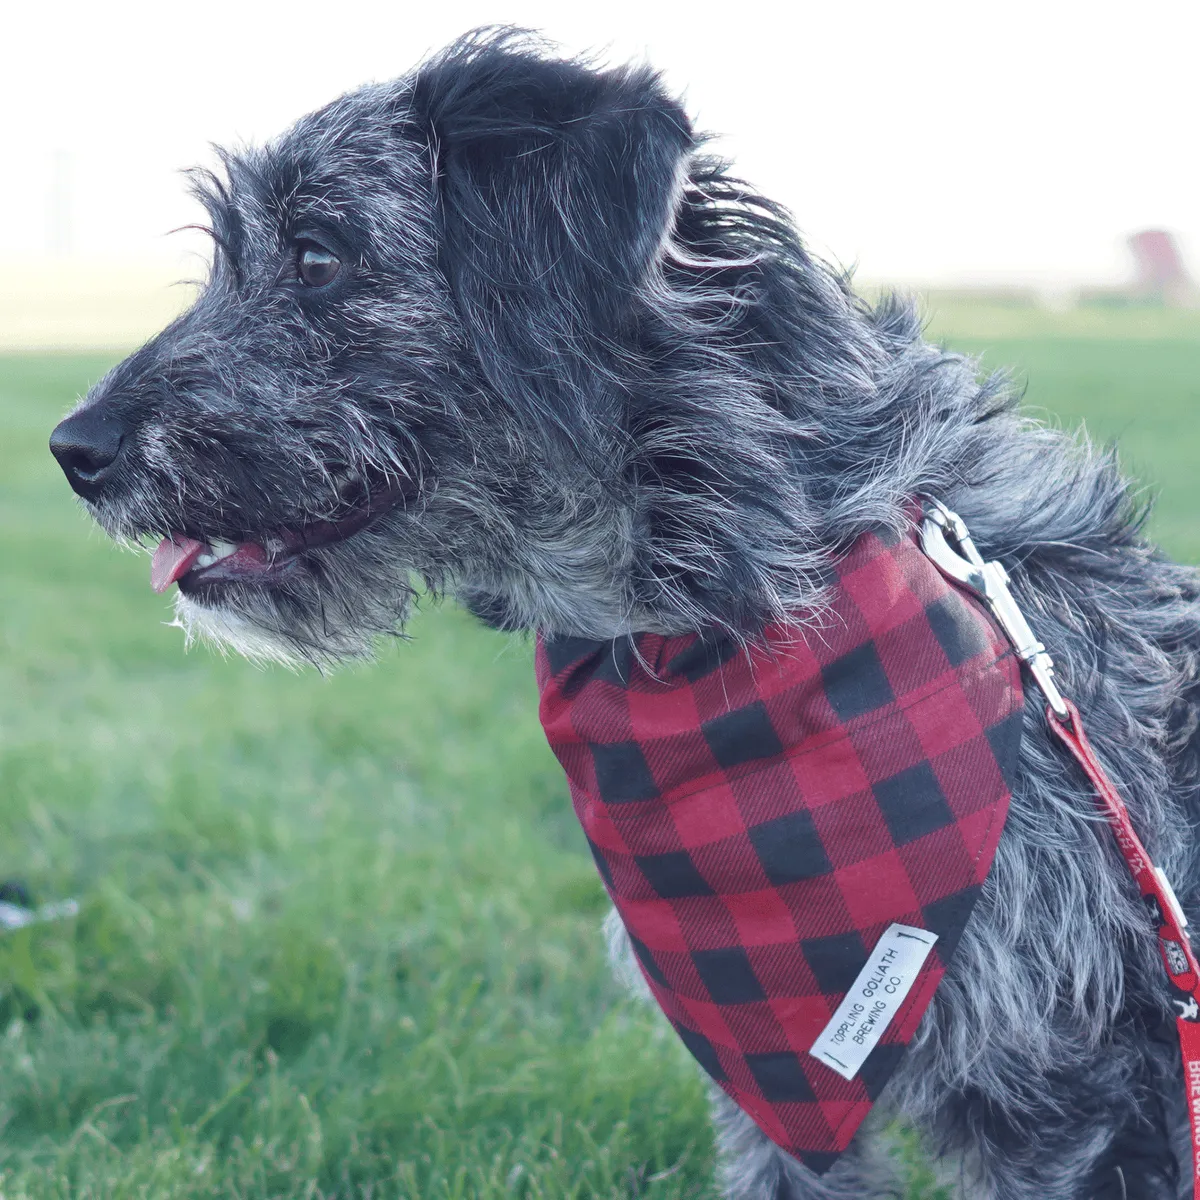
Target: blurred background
x=1014 y=147
x=322 y=937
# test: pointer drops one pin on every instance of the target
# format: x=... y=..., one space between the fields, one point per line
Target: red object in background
x=1159 y=267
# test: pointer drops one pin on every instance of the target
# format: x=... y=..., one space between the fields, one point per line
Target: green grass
x=1130 y=376
x=338 y=936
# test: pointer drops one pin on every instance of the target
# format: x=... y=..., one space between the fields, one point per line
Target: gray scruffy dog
x=501 y=327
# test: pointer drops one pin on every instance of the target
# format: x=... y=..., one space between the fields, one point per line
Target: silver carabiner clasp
x=963 y=563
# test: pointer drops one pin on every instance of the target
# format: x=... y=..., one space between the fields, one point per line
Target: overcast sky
x=927 y=141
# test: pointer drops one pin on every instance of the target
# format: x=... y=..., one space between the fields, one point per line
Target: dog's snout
x=88 y=447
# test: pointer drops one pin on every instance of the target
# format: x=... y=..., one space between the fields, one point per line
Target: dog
x=503 y=330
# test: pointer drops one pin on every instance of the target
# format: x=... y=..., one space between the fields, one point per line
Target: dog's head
x=493 y=328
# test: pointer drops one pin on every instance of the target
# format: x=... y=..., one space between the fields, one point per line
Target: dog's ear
x=555 y=185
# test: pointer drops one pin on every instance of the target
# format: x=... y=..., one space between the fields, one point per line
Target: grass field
x=338 y=936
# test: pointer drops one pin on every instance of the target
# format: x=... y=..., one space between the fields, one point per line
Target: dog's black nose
x=88 y=447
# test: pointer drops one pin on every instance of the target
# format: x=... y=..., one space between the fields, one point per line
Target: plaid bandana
x=770 y=821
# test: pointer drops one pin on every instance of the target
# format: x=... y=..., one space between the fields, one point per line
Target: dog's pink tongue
x=173 y=557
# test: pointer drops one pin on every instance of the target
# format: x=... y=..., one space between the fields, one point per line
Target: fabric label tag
x=874 y=998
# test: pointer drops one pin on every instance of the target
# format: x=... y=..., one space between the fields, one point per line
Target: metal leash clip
x=989 y=581
x=963 y=563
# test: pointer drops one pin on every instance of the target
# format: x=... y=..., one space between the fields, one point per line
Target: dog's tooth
x=222 y=549
x=205 y=560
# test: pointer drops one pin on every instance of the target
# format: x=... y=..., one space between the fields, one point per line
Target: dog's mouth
x=198 y=563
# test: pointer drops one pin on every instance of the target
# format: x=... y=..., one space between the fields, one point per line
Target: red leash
x=989 y=581
x=1173 y=942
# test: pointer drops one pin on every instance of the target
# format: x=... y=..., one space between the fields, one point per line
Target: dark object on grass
x=502 y=325
x=13 y=892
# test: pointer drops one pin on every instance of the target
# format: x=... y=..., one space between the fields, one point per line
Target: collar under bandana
x=763 y=817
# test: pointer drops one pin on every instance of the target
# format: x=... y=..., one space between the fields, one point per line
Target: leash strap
x=961 y=561
x=1173 y=942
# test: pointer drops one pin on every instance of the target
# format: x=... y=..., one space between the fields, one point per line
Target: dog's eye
x=315 y=265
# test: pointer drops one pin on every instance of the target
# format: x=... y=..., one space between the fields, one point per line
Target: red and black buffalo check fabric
x=760 y=816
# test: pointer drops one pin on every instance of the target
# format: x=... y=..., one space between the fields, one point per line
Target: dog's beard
x=303 y=605
x=331 y=607
x=258 y=626
x=227 y=629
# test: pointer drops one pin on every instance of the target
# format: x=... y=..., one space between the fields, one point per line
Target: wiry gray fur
x=616 y=394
